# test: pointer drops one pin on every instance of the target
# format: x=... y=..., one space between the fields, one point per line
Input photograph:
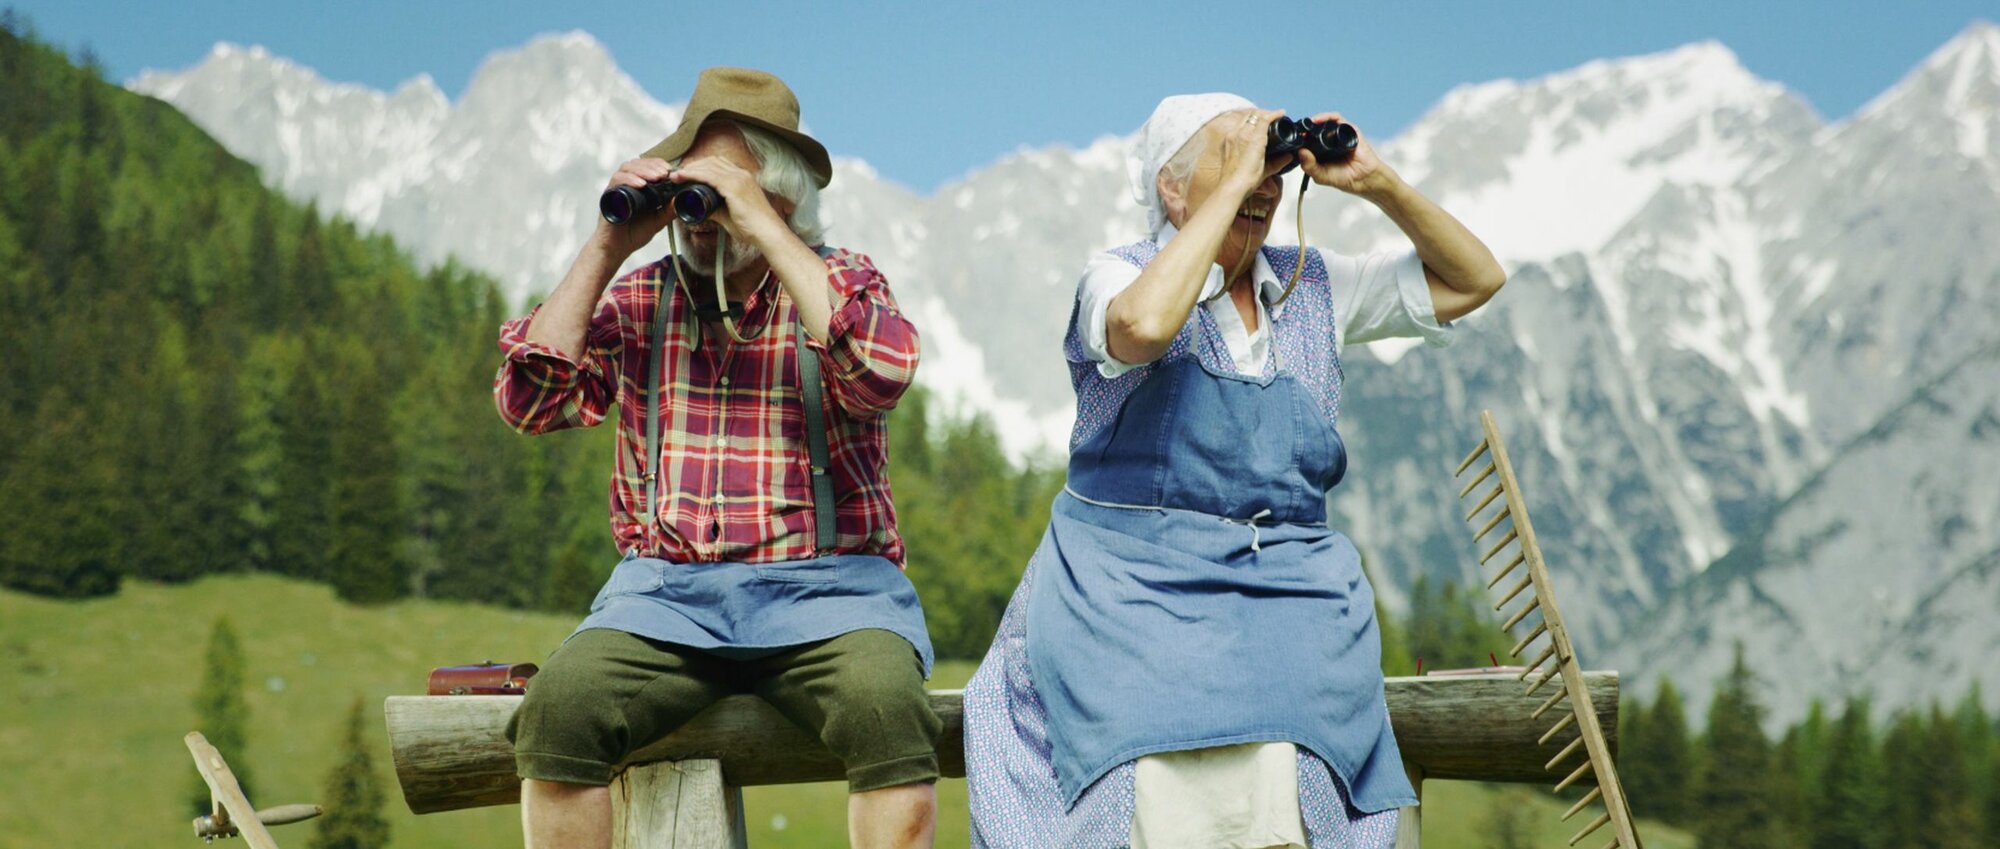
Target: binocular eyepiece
x=691 y=202
x=1332 y=141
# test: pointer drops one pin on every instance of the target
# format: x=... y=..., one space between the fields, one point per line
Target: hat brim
x=676 y=145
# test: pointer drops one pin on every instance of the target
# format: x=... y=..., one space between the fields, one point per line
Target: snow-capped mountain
x=1732 y=329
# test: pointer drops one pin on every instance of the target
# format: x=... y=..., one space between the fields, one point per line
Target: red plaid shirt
x=735 y=478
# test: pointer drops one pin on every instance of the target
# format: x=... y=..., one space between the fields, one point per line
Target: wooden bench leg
x=1410 y=820
x=676 y=805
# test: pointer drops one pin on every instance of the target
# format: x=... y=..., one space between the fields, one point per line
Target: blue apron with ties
x=1190 y=594
x=743 y=610
x=749 y=610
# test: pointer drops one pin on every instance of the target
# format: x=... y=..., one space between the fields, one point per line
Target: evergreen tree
x=61 y=542
x=1989 y=798
x=353 y=818
x=1450 y=627
x=1845 y=806
x=221 y=714
x=1789 y=827
x=1657 y=760
x=1734 y=797
x=1975 y=740
x=367 y=522
x=1946 y=796
x=301 y=535
x=1903 y=777
x=1677 y=755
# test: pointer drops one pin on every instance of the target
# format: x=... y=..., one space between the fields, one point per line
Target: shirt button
x=719 y=441
x=725 y=381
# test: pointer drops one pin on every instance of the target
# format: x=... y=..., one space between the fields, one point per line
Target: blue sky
x=927 y=92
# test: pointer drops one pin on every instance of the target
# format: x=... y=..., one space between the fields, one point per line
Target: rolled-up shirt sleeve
x=1383 y=295
x=870 y=354
x=540 y=389
x=1105 y=278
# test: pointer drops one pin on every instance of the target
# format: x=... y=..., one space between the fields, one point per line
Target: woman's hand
x=1362 y=174
x=1244 y=166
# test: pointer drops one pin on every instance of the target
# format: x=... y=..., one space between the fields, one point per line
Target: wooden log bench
x=451 y=753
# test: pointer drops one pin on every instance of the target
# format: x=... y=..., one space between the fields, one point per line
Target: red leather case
x=485 y=679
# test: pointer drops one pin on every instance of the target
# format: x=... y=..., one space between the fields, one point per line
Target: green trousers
x=606 y=694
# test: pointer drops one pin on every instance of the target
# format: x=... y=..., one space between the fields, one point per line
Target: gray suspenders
x=811 y=392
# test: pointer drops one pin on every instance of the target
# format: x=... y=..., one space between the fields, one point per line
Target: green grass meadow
x=96 y=695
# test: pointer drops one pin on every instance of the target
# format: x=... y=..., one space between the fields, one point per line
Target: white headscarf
x=1176 y=120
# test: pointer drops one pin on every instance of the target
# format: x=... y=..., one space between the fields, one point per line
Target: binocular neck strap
x=728 y=315
x=1298 y=213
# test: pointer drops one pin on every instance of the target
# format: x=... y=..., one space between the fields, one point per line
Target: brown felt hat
x=752 y=97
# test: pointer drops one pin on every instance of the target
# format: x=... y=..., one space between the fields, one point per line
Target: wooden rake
x=1556 y=661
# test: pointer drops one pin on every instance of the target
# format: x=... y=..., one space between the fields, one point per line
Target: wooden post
x=1410 y=820
x=676 y=805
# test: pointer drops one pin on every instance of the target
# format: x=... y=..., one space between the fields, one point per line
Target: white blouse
x=1375 y=296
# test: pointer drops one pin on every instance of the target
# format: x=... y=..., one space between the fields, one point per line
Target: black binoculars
x=691 y=202
x=1333 y=141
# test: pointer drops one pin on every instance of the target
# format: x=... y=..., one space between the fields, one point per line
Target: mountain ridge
x=1714 y=290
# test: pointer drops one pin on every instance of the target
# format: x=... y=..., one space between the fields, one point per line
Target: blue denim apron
x=748 y=610
x=1190 y=594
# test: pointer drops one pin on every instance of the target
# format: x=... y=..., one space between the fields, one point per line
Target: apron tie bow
x=1256 y=542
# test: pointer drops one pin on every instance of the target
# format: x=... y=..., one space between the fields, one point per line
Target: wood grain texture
x=228 y=797
x=676 y=805
x=451 y=752
x=1587 y=729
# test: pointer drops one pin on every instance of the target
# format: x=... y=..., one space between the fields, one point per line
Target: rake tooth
x=1470 y=457
x=1490 y=523
x=1537 y=662
x=1565 y=753
x=1557 y=728
x=1581 y=771
x=1554 y=670
x=1593 y=826
x=1512 y=534
x=1541 y=628
x=1512 y=593
x=1612 y=845
x=1522 y=614
x=1495 y=493
x=1549 y=704
x=1519 y=558
x=1580 y=803
x=1483 y=474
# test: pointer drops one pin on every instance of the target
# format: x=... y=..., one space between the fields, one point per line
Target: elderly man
x=1191 y=659
x=749 y=495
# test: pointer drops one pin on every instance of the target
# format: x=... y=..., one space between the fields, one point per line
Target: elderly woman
x=1191 y=659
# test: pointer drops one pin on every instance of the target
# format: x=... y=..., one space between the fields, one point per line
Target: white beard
x=736 y=256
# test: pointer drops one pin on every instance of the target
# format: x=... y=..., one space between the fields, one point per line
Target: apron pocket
x=808 y=572
x=631 y=577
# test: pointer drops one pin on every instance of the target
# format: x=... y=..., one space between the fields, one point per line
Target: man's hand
x=1362 y=174
x=747 y=213
x=622 y=240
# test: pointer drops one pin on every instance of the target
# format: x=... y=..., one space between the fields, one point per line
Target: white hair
x=783 y=172
x=1180 y=168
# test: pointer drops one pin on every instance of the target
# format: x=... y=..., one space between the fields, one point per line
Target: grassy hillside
x=95 y=696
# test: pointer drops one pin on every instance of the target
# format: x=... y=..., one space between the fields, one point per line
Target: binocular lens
x=694 y=203
x=619 y=204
